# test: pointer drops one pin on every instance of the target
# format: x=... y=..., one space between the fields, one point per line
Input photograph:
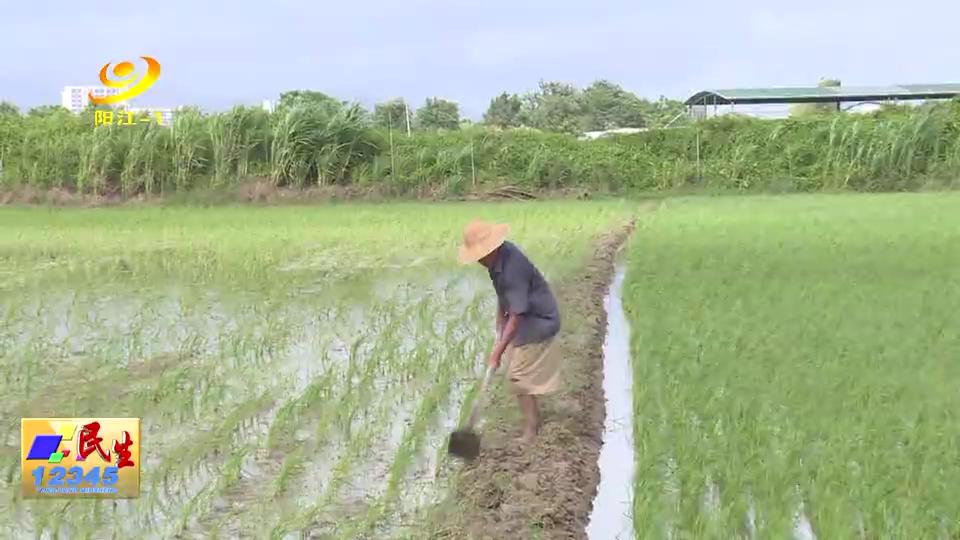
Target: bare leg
x=531 y=417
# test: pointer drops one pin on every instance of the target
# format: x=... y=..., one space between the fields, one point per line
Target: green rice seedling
x=292 y=466
x=291 y=413
x=191 y=456
x=811 y=329
x=406 y=453
x=340 y=474
x=228 y=476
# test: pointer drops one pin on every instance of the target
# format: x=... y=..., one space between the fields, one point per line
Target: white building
x=590 y=135
x=75 y=98
x=267 y=105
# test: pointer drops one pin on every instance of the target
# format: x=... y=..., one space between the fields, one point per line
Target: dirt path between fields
x=546 y=491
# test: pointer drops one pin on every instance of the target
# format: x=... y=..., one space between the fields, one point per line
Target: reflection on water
x=611 y=517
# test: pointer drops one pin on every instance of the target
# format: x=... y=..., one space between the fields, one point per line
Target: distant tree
x=813 y=108
x=9 y=109
x=47 y=110
x=309 y=98
x=391 y=113
x=504 y=111
x=438 y=113
x=663 y=111
x=607 y=106
x=9 y=121
x=555 y=106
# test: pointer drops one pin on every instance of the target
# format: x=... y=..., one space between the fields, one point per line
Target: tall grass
x=896 y=148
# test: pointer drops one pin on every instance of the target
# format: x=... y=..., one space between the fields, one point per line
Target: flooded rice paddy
x=257 y=415
x=297 y=370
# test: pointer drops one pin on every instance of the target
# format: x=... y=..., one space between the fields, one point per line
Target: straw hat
x=480 y=238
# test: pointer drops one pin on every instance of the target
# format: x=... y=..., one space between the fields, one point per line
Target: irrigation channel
x=611 y=517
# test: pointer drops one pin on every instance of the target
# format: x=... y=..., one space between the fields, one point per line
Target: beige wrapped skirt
x=534 y=368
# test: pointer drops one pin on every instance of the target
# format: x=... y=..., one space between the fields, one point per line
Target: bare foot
x=528 y=439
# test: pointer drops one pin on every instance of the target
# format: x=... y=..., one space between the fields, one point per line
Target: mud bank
x=611 y=516
x=547 y=490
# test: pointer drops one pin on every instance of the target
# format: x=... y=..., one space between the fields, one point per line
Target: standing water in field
x=610 y=519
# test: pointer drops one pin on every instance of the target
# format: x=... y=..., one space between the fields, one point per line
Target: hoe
x=464 y=443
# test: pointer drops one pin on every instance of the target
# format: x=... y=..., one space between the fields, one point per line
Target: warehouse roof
x=818 y=94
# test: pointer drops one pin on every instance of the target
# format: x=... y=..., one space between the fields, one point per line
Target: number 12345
x=75 y=476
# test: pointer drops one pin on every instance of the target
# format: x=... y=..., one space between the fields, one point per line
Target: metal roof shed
x=817 y=94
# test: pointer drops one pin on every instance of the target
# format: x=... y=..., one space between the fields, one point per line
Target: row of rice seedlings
x=426 y=415
x=383 y=366
x=303 y=516
x=405 y=454
x=322 y=396
x=452 y=362
x=155 y=395
x=245 y=375
x=384 y=353
x=180 y=466
x=162 y=396
x=245 y=448
x=334 y=386
x=221 y=247
x=318 y=392
x=75 y=330
x=163 y=492
x=151 y=490
x=226 y=477
x=472 y=363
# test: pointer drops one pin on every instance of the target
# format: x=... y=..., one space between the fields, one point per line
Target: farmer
x=527 y=318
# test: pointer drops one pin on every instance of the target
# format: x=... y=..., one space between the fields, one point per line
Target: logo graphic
x=128 y=75
x=80 y=457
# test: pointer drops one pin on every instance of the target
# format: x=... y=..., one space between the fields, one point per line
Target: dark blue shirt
x=521 y=289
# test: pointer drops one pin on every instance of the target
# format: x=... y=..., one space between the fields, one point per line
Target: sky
x=216 y=54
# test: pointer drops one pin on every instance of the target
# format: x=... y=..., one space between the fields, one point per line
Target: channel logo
x=80 y=457
x=134 y=83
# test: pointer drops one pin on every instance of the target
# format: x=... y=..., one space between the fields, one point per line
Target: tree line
x=313 y=139
x=553 y=106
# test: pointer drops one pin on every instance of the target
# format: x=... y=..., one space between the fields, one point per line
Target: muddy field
x=546 y=491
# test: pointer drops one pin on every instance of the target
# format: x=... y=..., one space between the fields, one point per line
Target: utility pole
x=393 y=163
x=406 y=110
x=473 y=168
x=699 y=169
